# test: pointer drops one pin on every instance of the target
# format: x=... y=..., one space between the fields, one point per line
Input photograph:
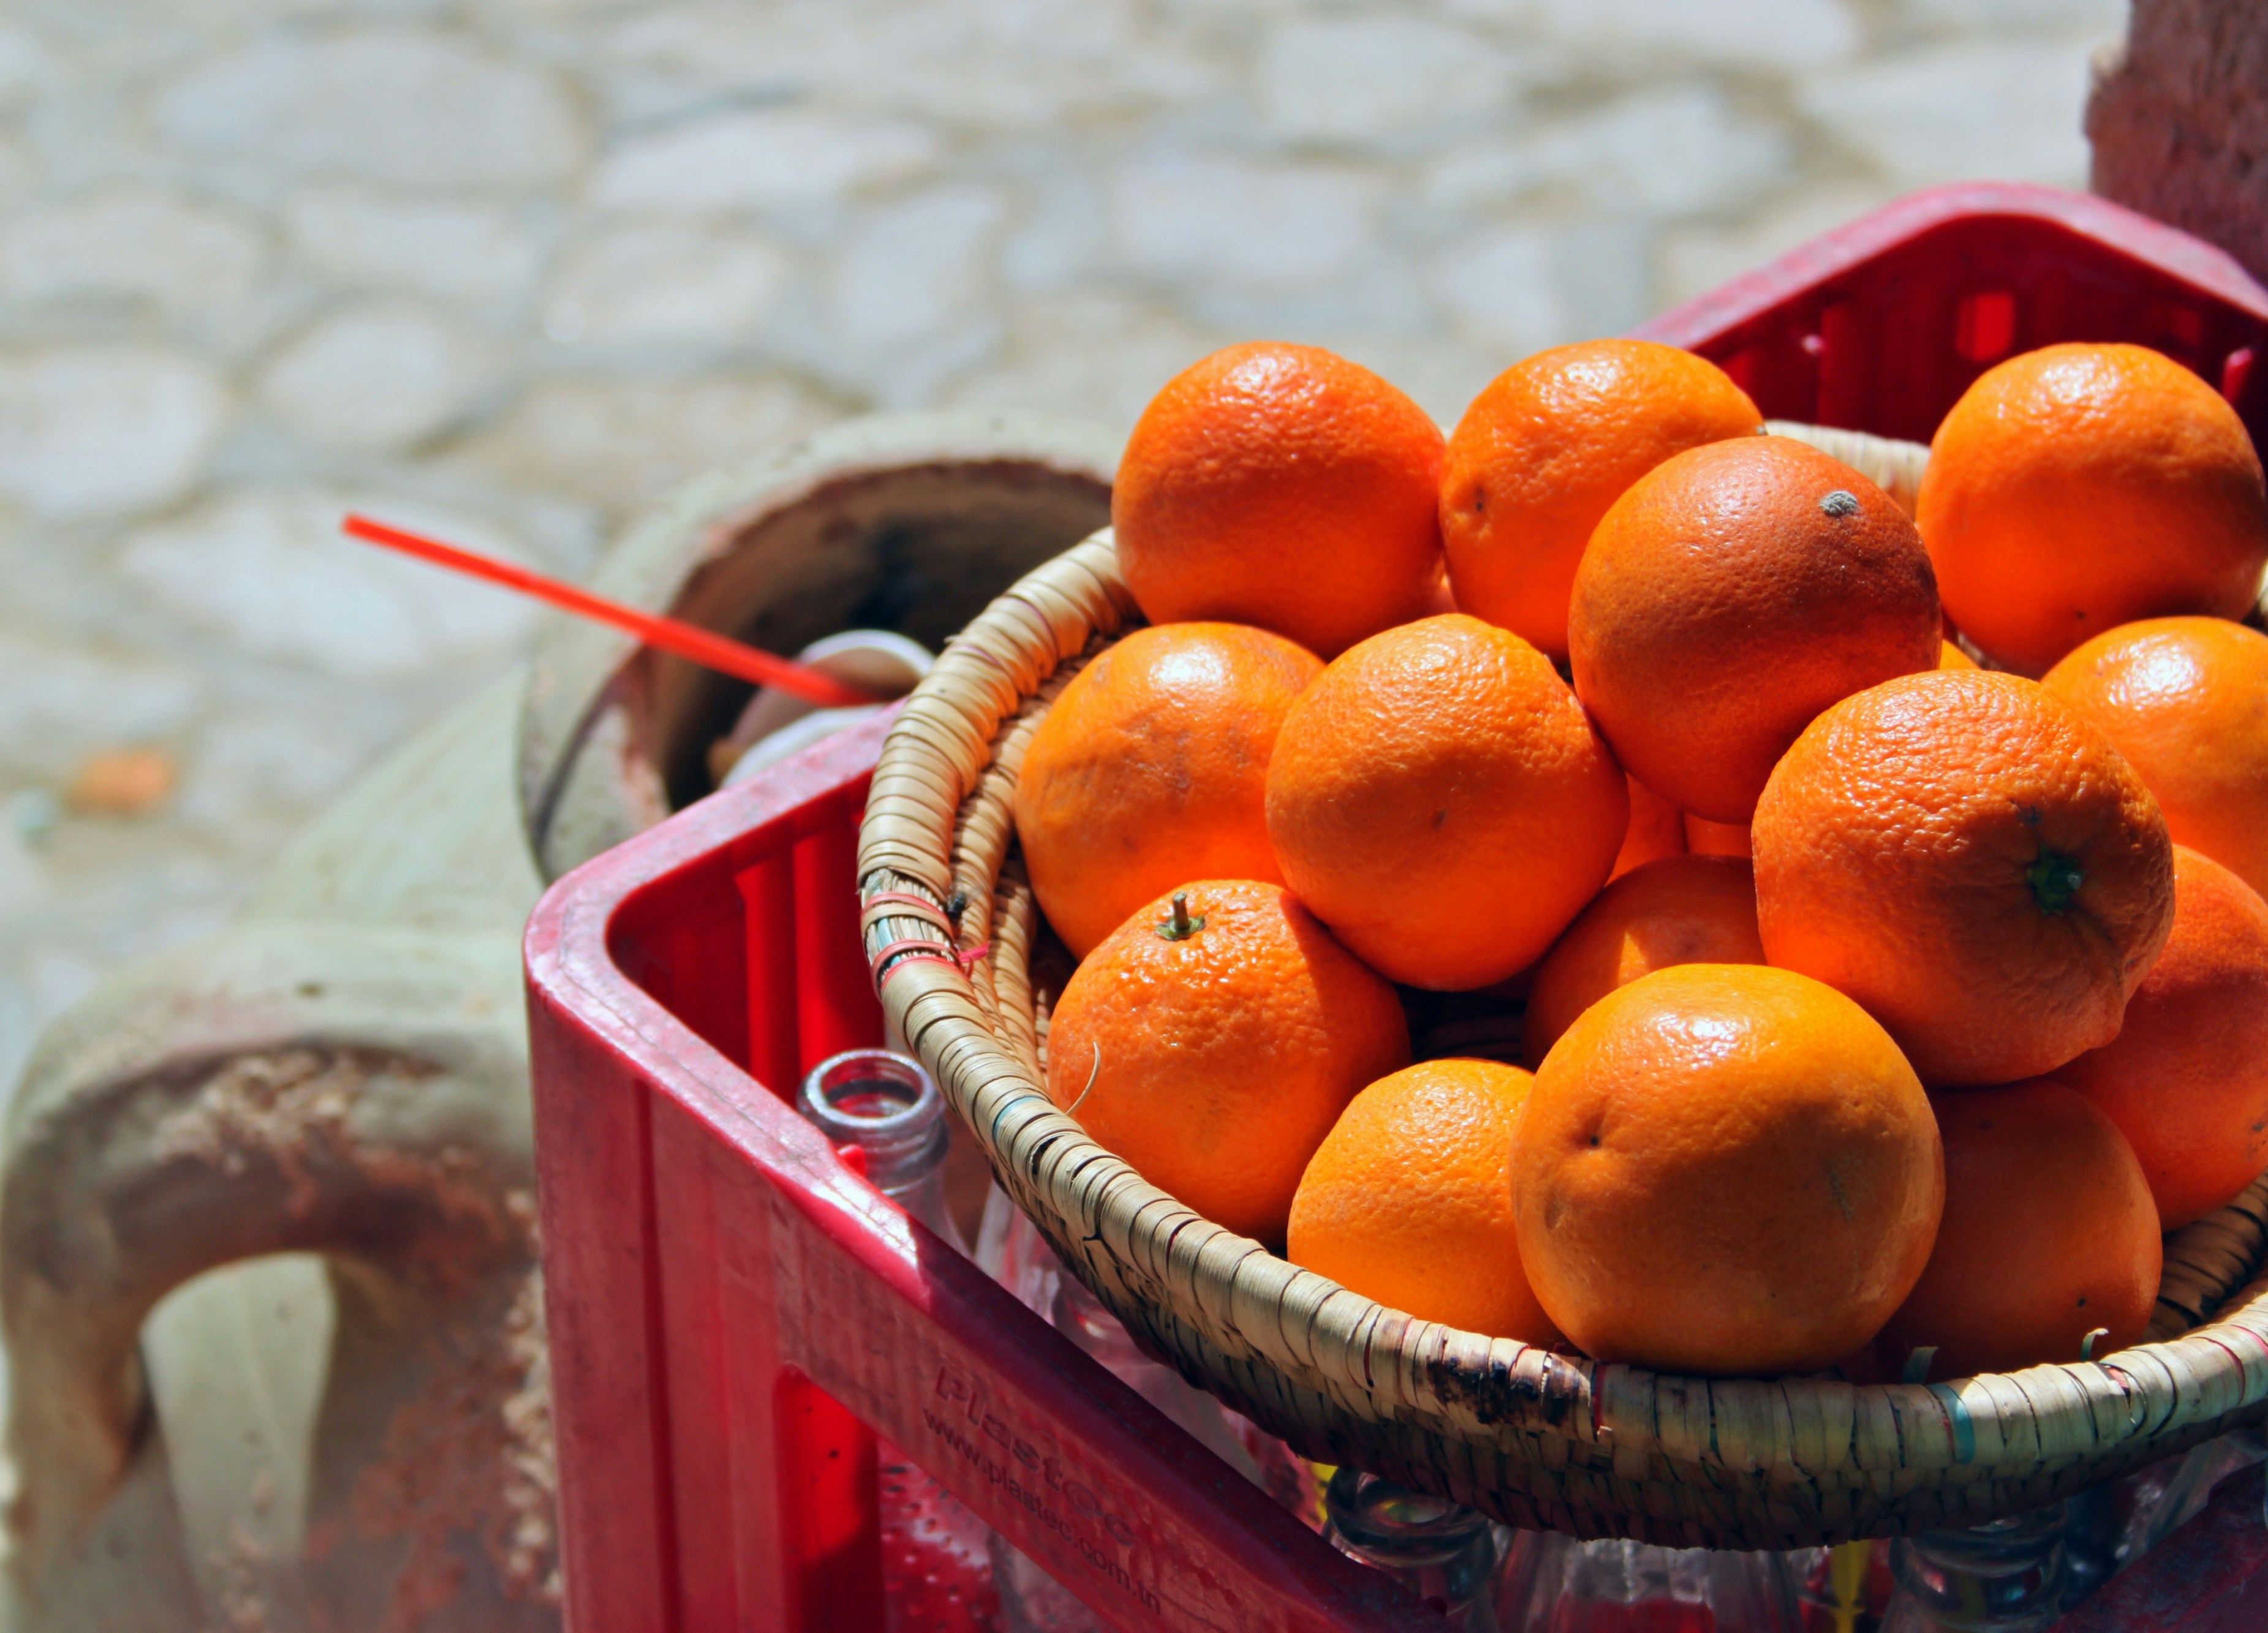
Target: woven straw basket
x=1536 y=1438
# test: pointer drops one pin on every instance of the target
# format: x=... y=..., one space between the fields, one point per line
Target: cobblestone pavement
x=512 y=267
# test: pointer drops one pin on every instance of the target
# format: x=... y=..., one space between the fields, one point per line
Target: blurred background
x=510 y=269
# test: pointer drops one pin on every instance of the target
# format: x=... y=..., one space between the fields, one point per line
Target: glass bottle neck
x=887 y=1106
x=2007 y=1577
x=1444 y=1554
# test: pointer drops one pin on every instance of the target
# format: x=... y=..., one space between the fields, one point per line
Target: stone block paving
x=512 y=268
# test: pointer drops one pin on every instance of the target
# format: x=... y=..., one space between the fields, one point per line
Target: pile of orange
x=1884 y=1005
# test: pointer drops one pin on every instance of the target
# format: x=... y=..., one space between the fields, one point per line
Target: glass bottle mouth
x=886 y=1104
x=1394 y=1525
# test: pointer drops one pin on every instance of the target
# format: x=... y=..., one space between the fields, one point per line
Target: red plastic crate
x=734 y=1312
x=1882 y=325
x=716 y=1279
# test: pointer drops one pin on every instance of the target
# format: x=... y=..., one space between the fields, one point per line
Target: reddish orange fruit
x=2048 y=1235
x=1726 y=1169
x=1973 y=863
x=2186 y=1079
x=1151 y=769
x=1730 y=595
x=1439 y=799
x=1285 y=487
x=1547 y=447
x=1705 y=838
x=2083 y=486
x=1212 y=1045
x=1689 y=909
x=1408 y=1199
x=1954 y=658
x=1657 y=828
x=2186 y=701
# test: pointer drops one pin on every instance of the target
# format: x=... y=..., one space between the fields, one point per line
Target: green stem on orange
x=2055 y=878
x=1180 y=924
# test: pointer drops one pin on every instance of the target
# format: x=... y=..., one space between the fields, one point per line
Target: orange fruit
x=1285 y=487
x=1408 y=1199
x=1954 y=658
x=1731 y=594
x=2186 y=1079
x=1151 y=769
x=1439 y=799
x=1727 y=1169
x=1213 y=1046
x=1705 y=838
x=2082 y=486
x=1546 y=447
x=1973 y=863
x=1657 y=828
x=2048 y=1234
x=2186 y=701
x=1438 y=597
x=1691 y=909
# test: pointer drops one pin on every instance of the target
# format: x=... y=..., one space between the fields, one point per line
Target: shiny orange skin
x=1220 y=1061
x=1657 y=828
x=1546 y=447
x=1954 y=658
x=2186 y=701
x=1731 y=594
x=1915 y=850
x=1724 y=1169
x=2186 y=1079
x=2083 y=486
x=1151 y=769
x=2048 y=1234
x=1439 y=799
x=1689 y=909
x=1705 y=838
x=1285 y=487
x=1408 y=1200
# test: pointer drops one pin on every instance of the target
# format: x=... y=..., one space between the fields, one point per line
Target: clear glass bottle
x=1011 y=1249
x=887 y=1106
x=1553 y=1583
x=936 y=1566
x=2005 y=1577
x=2108 y=1527
x=1033 y=1601
x=1444 y=1554
x=2174 y=1492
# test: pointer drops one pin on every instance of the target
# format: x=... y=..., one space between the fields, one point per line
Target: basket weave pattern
x=1538 y=1439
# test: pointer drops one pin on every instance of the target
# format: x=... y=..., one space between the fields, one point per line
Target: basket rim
x=939 y=973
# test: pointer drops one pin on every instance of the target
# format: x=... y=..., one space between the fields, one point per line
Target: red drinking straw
x=705 y=647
